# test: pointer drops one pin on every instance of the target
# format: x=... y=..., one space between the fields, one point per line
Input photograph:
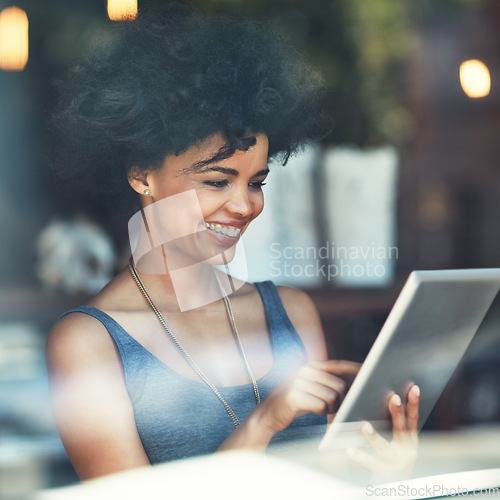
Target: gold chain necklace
x=232 y=415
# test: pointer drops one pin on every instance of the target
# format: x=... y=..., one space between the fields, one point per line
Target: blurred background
x=408 y=179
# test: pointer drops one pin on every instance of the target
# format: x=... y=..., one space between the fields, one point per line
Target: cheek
x=258 y=204
x=210 y=201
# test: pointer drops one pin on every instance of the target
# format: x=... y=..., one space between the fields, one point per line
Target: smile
x=225 y=230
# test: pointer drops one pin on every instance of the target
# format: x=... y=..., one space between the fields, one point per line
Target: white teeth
x=226 y=230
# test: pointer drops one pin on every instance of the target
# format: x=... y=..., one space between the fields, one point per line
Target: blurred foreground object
x=276 y=478
x=74 y=256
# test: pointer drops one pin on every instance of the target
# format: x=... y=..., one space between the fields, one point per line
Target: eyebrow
x=231 y=171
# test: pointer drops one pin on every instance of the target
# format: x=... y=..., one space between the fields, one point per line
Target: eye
x=216 y=184
x=257 y=184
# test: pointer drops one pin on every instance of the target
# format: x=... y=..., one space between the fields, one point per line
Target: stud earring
x=147 y=192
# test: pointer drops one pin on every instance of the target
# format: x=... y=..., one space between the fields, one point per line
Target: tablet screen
x=422 y=341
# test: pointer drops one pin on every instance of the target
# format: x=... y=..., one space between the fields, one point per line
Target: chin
x=225 y=257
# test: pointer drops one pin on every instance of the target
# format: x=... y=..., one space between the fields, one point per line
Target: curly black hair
x=170 y=79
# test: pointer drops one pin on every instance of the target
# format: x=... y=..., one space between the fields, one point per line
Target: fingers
x=412 y=408
x=381 y=446
x=390 y=459
x=405 y=420
x=337 y=367
x=318 y=404
x=313 y=373
x=405 y=424
x=329 y=396
x=316 y=387
x=412 y=411
x=323 y=386
x=395 y=458
x=320 y=380
x=328 y=373
x=398 y=416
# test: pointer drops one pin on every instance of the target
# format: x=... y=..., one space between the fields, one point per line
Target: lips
x=226 y=230
x=225 y=235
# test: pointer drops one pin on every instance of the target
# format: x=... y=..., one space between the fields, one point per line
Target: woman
x=183 y=113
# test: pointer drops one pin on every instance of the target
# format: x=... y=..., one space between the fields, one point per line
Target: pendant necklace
x=189 y=359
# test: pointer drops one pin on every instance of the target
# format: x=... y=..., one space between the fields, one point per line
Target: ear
x=138 y=179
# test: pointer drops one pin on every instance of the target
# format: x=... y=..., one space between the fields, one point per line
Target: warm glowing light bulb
x=122 y=10
x=14 y=44
x=475 y=78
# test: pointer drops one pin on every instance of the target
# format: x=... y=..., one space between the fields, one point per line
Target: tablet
x=422 y=341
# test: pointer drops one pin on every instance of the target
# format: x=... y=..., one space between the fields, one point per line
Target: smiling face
x=229 y=191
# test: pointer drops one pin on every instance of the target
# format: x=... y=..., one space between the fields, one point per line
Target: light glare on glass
x=122 y=10
x=14 y=43
x=475 y=78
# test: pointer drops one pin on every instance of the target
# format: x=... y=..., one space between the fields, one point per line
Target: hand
x=316 y=387
x=394 y=460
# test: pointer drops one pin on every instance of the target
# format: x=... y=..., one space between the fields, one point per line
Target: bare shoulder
x=299 y=306
x=91 y=406
x=78 y=340
x=305 y=318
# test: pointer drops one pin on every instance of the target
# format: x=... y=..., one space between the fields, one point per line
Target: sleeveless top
x=177 y=417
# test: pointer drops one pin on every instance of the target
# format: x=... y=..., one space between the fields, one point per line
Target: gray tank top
x=177 y=417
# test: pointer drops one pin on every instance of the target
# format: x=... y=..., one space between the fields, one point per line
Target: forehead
x=198 y=158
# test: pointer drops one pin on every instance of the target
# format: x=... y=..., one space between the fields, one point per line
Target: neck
x=188 y=287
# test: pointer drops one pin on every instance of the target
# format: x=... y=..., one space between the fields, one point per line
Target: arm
x=90 y=402
x=315 y=387
x=390 y=460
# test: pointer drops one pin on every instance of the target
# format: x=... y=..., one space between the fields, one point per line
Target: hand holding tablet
x=392 y=460
x=421 y=343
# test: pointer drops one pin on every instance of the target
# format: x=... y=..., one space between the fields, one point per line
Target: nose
x=240 y=202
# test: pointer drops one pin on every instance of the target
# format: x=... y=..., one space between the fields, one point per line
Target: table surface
x=450 y=452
